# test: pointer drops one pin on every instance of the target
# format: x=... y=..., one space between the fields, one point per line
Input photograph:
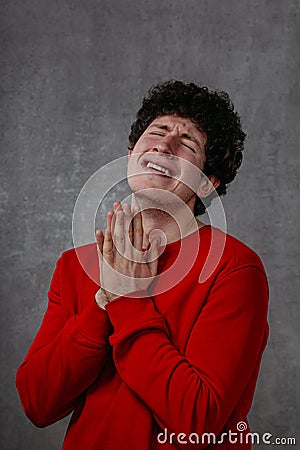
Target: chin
x=138 y=183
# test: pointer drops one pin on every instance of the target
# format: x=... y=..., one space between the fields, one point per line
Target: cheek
x=145 y=143
x=198 y=162
x=191 y=171
x=191 y=159
x=138 y=148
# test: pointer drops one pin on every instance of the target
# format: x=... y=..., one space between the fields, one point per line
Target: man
x=155 y=358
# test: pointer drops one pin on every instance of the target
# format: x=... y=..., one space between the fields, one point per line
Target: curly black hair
x=212 y=112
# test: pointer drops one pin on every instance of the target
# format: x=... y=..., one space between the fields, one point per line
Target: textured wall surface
x=72 y=76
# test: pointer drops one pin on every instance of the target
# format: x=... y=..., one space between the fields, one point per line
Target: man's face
x=163 y=155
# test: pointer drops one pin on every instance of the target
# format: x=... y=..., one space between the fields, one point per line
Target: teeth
x=159 y=168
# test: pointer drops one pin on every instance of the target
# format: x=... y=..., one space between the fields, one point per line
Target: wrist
x=101 y=298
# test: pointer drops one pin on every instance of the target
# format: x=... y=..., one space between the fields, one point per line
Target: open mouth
x=159 y=169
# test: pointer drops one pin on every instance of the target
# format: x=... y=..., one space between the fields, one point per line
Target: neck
x=156 y=219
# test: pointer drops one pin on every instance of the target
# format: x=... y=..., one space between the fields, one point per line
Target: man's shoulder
x=236 y=253
x=81 y=259
x=75 y=254
x=243 y=254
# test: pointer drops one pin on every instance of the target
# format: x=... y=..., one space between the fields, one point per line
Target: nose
x=165 y=146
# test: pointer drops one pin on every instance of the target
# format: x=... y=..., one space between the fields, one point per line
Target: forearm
x=195 y=391
x=57 y=371
x=153 y=368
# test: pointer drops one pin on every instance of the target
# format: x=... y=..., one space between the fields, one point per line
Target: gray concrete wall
x=72 y=75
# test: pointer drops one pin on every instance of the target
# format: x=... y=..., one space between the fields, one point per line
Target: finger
x=119 y=235
x=99 y=240
x=152 y=255
x=109 y=219
x=128 y=230
x=108 y=250
x=138 y=230
x=117 y=206
x=146 y=241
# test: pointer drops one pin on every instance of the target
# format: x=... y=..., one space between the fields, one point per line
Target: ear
x=130 y=150
x=207 y=185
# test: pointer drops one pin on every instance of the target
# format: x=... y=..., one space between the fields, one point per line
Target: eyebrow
x=184 y=135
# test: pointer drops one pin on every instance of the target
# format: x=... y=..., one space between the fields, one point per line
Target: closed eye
x=188 y=146
x=156 y=133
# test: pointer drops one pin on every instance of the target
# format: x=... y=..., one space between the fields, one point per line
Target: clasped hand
x=124 y=266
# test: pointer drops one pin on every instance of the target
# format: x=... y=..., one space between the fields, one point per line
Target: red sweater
x=182 y=361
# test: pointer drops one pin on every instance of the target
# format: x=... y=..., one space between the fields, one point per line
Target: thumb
x=152 y=255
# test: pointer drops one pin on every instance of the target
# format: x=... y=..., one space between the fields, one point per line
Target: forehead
x=183 y=124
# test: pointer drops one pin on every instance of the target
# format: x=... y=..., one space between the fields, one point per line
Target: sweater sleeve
x=65 y=358
x=195 y=392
